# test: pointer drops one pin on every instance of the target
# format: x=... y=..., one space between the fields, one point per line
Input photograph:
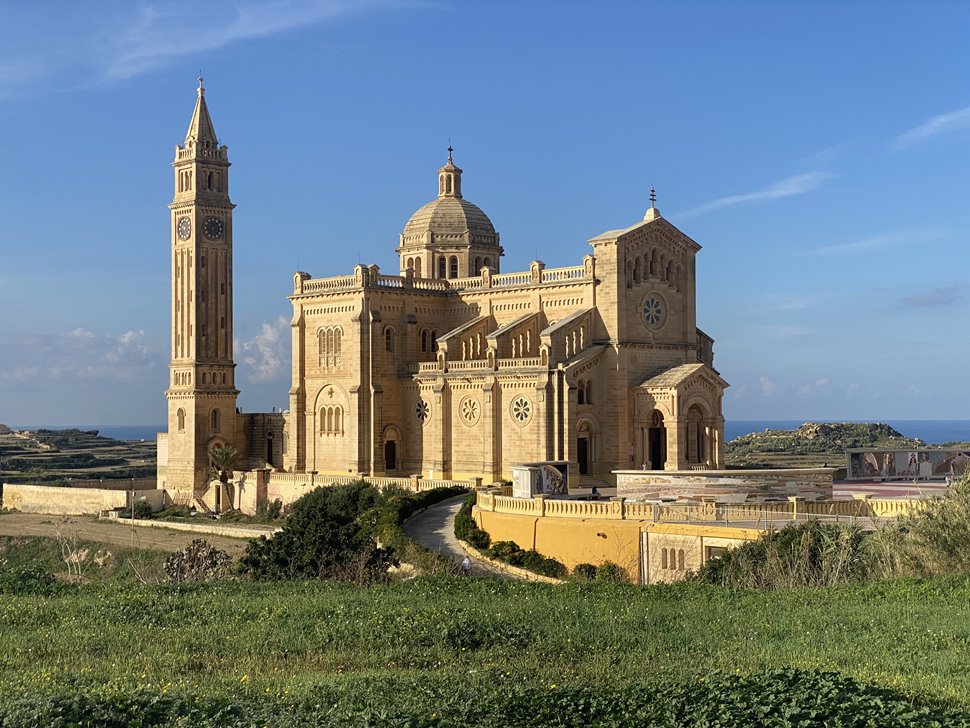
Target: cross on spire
x=653 y=197
x=201 y=87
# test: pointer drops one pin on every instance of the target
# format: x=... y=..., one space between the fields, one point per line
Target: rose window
x=469 y=410
x=653 y=311
x=422 y=411
x=521 y=410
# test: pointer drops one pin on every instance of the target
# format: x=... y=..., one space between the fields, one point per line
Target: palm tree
x=221 y=458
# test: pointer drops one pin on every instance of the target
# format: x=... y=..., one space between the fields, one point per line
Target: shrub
x=465 y=527
x=27 y=580
x=198 y=562
x=611 y=573
x=584 y=572
x=936 y=539
x=142 y=509
x=270 y=511
x=544 y=565
x=173 y=511
x=809 y=554
x=322 y=539
x=479 y=538
x=503 y=550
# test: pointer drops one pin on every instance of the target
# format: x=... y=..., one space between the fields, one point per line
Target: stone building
x=448 y=367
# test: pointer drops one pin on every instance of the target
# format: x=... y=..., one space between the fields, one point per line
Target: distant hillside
x=813 y=444
x=59 y=455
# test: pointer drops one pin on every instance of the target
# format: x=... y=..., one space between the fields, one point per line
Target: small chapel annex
x=446 y=366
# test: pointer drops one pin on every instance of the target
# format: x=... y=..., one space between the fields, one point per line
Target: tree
x=322 y=539
x=221 y=458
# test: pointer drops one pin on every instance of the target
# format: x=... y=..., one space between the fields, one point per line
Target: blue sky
x=817 y=151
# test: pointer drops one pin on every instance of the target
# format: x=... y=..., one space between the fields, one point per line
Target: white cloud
x=876 y=242
x=262 y=357
x=768 y=387
x=81 y=354
x=797 y=184
x=809 y=389
x=937 y=297
x=119 y=40
x=939 y=124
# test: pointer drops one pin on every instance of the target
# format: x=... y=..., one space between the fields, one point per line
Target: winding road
x=434 y=528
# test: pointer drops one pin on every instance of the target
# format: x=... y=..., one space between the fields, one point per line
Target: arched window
x=208 y=181
x=680 y=560
x=389 y=339
x=181 y=419
x=410 y=263
x=214 y=420
x=441 y=267
x=453 y=267
x=478 y=264
x=663 y=558
x=488 y=262
x=424 y=341
x=581 y=392
x=434 y=340
x=417 y=267
x=589 y=391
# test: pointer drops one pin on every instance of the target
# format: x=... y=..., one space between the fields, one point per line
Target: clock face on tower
x=185 y=228
x=653 y=311
x=212 y=227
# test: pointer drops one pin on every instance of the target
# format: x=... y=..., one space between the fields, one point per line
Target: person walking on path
x=466 y=566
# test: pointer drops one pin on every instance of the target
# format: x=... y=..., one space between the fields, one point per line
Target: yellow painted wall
x=571 y=541
x=591 y=542
x=508 y=527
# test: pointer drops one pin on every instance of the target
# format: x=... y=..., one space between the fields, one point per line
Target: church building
x=446 y=366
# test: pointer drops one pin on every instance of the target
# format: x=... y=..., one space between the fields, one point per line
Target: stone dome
x=450 y=220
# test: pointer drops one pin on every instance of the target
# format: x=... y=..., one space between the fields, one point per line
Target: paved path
x=88 y=528
x=435 y=529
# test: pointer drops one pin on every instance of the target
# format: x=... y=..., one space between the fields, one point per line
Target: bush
x=936 y=539
x=198 y=562
x=27 y=580
x=809 y=554
x=322 y=539
x=584 y=572
x=465 y=527
x=610 y=573
x=270 y=511
x=513 y=555
x=142 y=509
x=173 y=511
x=544 y=565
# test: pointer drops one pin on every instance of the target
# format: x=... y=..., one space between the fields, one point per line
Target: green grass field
x=465 y=651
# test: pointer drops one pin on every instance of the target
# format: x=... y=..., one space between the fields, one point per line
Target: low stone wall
x=61 y=501
x=212 y=528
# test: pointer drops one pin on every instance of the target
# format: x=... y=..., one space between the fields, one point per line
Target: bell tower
x=201 y=392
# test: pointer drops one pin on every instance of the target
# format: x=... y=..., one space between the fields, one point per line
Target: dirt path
x=435 y=529
x=88 y=528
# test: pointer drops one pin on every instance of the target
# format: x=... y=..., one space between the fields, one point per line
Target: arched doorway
x=657 y=441
x=390 y=449
x=585 y=445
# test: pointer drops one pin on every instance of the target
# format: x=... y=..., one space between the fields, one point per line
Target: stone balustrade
x=710 y=512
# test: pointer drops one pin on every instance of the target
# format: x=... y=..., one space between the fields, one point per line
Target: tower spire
x=201 y=132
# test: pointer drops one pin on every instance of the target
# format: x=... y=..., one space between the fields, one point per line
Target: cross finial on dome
x=652 y=213
x=450 y=150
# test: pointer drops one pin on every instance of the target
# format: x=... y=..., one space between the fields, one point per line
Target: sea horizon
x=932 y=432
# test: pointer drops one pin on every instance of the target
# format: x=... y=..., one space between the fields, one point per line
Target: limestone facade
x=448 y=367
